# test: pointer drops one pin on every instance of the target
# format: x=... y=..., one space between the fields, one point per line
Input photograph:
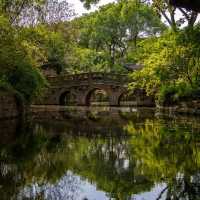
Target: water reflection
x=101 y=155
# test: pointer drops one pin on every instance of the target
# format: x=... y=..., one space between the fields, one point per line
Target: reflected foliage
x=136 y=153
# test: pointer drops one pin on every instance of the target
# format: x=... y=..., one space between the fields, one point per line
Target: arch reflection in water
x=145 y=158
x=128 y=99
x=136 y=98
x=97 y=97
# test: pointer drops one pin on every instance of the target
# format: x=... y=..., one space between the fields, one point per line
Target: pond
x=100 y=154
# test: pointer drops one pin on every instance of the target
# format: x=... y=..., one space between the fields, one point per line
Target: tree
x=165 y=9
x=31 y=12
x=171 y=66
x=140 y=19
x=17 y=69
x=51 y=11
x=169 y=11
x=194 y=5
x=12 y=9
x=115 y=26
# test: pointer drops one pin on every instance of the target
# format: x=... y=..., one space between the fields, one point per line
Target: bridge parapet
x=89 y=77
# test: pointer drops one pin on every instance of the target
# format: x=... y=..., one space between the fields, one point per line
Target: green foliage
x=157 y=139
x=139 y=17
x=171 y=65
x=24 y=51
x=17 y=68
x=46 y=46
x=112 y=29
x=27 y=81
x=162 y=8
x=88 y=60
x=171 y=94
x=87 y=3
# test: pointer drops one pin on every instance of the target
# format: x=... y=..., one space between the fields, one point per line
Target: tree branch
x=19 y=10
x=184 y=13
x=166 y=17
x=162 y=192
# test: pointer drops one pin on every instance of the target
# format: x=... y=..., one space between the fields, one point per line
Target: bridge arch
x=67 y=98
x=97 y=96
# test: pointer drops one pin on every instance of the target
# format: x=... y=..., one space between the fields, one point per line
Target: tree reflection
x=169 y=152
x=42 y=161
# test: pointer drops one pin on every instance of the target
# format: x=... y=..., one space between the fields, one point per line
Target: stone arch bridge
x=81 y=87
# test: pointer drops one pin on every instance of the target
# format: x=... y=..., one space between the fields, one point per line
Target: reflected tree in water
x=47 y=162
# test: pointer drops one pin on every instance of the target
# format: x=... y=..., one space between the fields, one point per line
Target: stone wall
x=9 y=107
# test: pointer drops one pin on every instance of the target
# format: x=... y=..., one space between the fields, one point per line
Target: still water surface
x=100 y=155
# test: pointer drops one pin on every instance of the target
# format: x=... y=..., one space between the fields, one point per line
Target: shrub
x=172 y=94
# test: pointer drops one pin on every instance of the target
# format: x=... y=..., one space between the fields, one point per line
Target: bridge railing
x=89 y=77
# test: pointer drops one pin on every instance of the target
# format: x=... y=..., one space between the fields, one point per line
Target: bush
x=27 y=81
x=172 y=94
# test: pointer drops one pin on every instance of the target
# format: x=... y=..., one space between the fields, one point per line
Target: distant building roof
x=133 y=67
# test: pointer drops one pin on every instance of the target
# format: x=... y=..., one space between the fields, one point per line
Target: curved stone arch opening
x=67 y=98
x=97 y=96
